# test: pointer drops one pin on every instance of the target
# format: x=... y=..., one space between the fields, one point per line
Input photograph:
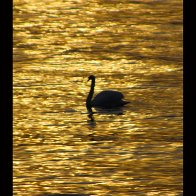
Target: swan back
x=108 y=99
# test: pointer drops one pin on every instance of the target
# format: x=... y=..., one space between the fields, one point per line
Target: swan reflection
x=92 y=122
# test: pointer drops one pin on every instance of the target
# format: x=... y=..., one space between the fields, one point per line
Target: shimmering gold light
x=132 y=47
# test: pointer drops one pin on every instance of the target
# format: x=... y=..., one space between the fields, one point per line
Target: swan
x=104 y=99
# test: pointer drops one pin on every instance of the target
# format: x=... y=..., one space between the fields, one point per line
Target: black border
x=189 y=98
x=6 y=145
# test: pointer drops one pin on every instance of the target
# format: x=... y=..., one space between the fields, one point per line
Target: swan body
x=104 y=99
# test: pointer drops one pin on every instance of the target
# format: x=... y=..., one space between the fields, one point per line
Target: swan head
x=91 y=77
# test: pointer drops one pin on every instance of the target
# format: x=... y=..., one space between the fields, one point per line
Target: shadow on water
x=92 y=122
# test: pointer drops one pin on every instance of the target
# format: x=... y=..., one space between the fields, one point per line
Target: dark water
x=131 y=46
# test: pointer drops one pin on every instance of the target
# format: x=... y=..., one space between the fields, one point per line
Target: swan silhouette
x=104 y=99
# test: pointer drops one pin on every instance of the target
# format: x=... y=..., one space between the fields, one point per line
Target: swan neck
x=90 y=95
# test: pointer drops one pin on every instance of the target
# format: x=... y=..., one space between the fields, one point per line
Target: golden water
x=131 y=46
